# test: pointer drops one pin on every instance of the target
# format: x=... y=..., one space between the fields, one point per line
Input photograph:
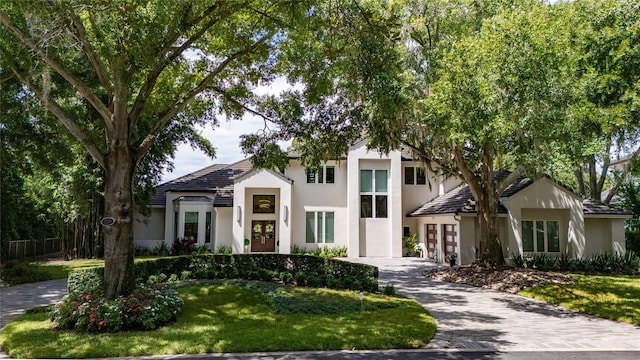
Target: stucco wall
x=318 y=197
x=149 y=232
x=546 y=199
x=261 y=182
x=223 y=227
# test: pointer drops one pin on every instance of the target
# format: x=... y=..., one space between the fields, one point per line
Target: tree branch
x=504 y=183
x=152 y=77
x=64 y=119
x=164 y=118
x=81 y=35
x=6 y=76
x=75 y=82
x=224 y=94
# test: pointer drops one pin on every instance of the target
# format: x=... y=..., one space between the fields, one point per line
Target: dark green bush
x=306 y=270
x=605 y=263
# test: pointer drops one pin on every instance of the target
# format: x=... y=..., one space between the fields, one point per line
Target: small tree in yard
x=141 y=72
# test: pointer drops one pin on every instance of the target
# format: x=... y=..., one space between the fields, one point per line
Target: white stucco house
x=368 y=202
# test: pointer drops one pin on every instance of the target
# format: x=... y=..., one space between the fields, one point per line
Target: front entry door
x=263 y=238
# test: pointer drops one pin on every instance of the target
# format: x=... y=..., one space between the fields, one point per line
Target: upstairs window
x=325 y=174
x=373 y=194
x=415 y=175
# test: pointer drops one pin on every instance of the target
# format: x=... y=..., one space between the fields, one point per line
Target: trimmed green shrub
x=305 y=270
x=605 y=263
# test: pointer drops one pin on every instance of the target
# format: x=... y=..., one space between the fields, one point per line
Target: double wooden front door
x=263 y=236
x=449 y=242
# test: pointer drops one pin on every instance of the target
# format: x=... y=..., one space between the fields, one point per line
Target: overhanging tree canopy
x=141 y=71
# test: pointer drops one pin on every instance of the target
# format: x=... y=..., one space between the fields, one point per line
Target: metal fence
x=25 y=249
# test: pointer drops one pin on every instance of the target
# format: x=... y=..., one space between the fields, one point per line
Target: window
x=320 y=227
x=406 y=232
x=540 y=236
x=264 y=204
x=409 y=175
x=191 y=225
x=373 y=194
x=207 y=234
x=415 y=175
x=175 y=224
x=325 y=174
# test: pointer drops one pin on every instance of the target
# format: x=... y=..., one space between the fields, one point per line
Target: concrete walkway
x=15 y=300
x=472 y=318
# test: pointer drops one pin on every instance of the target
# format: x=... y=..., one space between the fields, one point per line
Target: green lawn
x=227 y=318
x=23 y=272
x=611 y=297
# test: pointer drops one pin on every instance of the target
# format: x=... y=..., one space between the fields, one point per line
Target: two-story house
x=369 y=202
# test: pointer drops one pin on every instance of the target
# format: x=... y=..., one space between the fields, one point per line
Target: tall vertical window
x=540 y=236
x=325 y=174
x=320 y=227
x=415 y=175
x=191 y=225
x=207 y=234
x=373 y=194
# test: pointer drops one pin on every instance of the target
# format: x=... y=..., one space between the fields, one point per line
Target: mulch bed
x=511 y=280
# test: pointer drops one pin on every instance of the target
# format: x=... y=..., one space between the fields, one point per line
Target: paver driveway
x=475 y=318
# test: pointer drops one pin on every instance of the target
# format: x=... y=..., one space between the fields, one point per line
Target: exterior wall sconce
x=285 y=213
x=239 y=213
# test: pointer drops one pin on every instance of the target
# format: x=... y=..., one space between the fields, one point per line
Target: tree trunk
x=483 y=188
x=119 y=277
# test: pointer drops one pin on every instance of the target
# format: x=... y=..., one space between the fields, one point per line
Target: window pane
x=311 y=227
x=191 y=225
x=408 y=175
x=329 y=239
x=366 y=206
x=207 y=234
x=381 y=180
x=553 y=236
x=381 y=206
x=366 y=181
x=311 y=177
x=175 y=225
x=331 y=174
x=320 y=222
x=539 y=236
x=421 y=176
x=406 y=231
x=320 y=176
x=527 y=236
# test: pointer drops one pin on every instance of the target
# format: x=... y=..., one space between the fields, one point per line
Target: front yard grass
x=610 y=297
x=230 y=318
x=23 y=272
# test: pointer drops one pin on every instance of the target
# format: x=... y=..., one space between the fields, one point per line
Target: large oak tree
x=141 y=71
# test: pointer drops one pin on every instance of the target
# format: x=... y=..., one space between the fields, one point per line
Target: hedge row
x=300 y=270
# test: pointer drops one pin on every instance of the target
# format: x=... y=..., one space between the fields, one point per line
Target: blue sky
x=225 y=138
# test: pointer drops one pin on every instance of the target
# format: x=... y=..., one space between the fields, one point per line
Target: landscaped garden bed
x=228 y=303
x=241 y=316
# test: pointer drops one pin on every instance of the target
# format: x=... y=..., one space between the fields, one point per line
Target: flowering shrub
x=147 y=308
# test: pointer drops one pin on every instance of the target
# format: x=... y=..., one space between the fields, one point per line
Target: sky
x=225 y=138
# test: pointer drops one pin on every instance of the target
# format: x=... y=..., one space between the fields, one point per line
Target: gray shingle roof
x=592 y=207
x=460 y=200
x=213 y=179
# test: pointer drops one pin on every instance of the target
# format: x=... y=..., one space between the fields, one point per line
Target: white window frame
x=373 y=193
x=321 y=171
x=545 y=235
x=320 y=226
x=414 y=179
